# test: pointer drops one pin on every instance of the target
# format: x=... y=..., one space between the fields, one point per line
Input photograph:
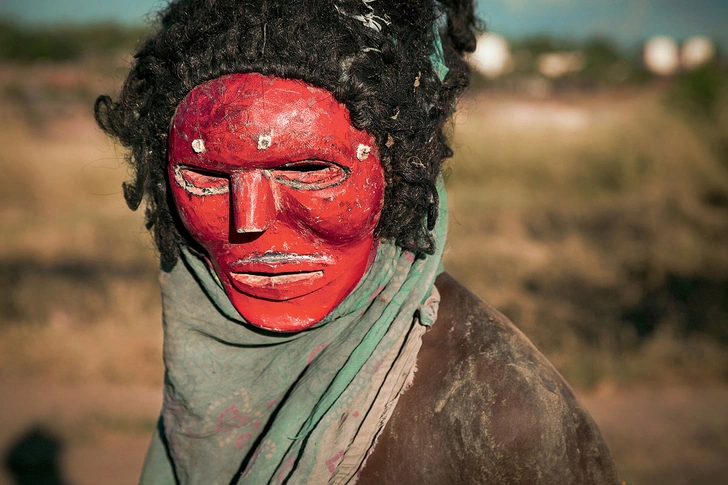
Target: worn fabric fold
x=245 y=406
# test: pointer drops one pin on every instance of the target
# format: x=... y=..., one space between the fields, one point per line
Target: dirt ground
x=667 y=436
x=97 y=433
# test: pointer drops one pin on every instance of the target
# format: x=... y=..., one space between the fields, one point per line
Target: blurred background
x=589 y=203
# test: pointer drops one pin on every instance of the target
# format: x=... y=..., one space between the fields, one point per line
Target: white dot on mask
x=264 y=142
x=362 y=152
x=198 y=145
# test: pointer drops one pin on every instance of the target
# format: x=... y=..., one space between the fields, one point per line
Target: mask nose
x=253 y=206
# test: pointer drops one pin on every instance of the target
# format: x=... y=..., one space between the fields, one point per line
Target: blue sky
x=627 y=21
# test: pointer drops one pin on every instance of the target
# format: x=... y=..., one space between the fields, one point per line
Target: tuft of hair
x=373 y=55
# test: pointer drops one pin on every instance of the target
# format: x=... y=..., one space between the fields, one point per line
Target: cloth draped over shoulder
x=245 y=406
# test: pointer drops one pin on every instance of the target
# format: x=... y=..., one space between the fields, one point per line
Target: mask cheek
x=333 y=215
x=205 y=218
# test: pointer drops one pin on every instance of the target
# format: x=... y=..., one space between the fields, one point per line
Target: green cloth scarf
x=244 y=406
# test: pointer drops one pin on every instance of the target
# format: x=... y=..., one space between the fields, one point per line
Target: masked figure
x=289 y=153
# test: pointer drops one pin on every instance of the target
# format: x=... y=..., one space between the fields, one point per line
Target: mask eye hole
x=201 y=182
x=310 y=174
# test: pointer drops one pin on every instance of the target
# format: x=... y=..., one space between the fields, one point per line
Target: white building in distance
x=662 y=56
x=697 y=51
x=492 y=56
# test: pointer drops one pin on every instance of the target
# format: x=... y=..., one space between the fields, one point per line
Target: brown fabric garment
x=486 y=408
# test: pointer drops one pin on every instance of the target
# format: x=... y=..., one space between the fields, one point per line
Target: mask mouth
x=274 y=264
x=278 y=286
x=272 y=280
x=279 y=276
x=275 y=259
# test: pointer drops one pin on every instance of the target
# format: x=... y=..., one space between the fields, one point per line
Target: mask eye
x=201 y=182
x=310 y=174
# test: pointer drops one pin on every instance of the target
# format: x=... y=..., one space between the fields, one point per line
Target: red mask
x=279 y=188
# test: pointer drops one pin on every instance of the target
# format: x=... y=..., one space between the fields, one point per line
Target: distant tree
x=26 y=45
x=699 y=92
x=65 y=42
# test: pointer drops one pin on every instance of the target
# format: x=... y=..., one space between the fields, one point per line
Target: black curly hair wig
x=373 y=55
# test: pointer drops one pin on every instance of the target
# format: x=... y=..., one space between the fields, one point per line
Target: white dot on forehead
x=198 y=145
x=264 y=141
x=362 y=152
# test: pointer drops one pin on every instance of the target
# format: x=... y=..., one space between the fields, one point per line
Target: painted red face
x=271 y=178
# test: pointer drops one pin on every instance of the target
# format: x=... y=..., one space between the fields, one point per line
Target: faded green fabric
x=437 y=58
x=243 y=405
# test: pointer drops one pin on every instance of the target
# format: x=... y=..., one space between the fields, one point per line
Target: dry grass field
x=597 y=222
x=599 y=225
